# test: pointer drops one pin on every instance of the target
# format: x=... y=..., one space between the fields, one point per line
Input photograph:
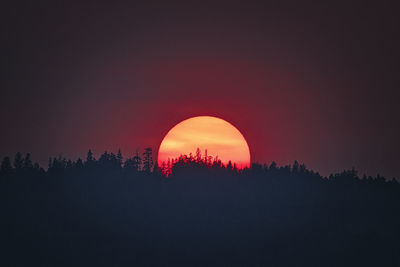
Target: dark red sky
x=316 y=82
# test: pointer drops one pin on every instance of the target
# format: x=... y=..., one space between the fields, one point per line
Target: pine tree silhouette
x=119 y=158
x=18 y=161
x=202 y=202
x=27 y=162
x=6 y=167
x=147 y=159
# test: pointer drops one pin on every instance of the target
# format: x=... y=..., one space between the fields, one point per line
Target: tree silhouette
x=79 y=164
x=296 y=167
x=147 y=159
x=198 y=155
x=251 y=214
x=69 y=165
x=137 y=161
x=119 y=158
x=27 y=162
x=18 y=161
x=229 y=166
x=133 y=164
x=6 y=167
x=90 y=160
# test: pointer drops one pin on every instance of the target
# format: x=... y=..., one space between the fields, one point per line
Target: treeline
x=186 y=164
x=116 y=211
x=107 y=161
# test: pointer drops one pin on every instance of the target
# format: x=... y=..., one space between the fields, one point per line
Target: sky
x=313 y=81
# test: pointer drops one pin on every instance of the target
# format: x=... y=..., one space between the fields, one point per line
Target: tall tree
x=90 y=160
x=27 y=162
x=147 y=159
x=119 y=158
x=18 y=161
x=229 y=166
x=6 y=165
x=69 y=164
x=104 y=159
x=137 y=162
x=79 y=164
x=198 y=155
x=273 y=167
x=156 y=169
x=295 y=168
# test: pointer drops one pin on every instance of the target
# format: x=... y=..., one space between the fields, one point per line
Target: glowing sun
x=220 y=138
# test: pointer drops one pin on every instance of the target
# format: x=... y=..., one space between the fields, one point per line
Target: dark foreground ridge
x=116 y=212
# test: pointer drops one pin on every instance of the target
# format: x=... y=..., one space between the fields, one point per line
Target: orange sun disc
x=220 y=138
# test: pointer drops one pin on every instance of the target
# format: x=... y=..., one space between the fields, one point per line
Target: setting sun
x=220 y=138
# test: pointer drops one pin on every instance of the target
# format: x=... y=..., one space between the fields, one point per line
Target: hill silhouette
x=193 y=211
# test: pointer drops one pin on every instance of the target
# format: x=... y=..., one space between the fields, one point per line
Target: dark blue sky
x=316 y=82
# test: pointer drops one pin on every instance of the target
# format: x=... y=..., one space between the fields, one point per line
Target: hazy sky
x=312 y=81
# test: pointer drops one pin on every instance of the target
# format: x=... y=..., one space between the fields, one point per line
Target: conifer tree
x=27 y=162
x=18 y=161
x=147 y=159
x=6 y=165
x=137 y=162
x=119 y=158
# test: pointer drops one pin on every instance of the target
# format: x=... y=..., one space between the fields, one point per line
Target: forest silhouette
x=193 y=211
